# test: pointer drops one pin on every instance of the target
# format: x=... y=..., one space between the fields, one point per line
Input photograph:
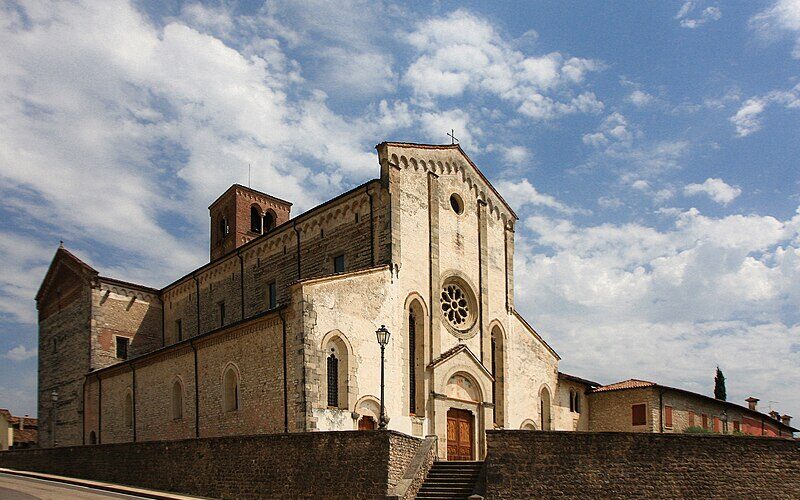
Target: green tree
x=719 y=386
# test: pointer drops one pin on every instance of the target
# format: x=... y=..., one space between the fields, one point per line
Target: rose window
x=455 y=305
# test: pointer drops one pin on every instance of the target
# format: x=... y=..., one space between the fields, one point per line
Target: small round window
x=457 y=204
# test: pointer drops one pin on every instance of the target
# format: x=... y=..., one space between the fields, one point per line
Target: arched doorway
x=544 y=413
x=368 y=411
x=460 y=431
x=463 y=393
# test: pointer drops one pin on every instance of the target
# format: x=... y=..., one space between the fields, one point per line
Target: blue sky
x=650 y=148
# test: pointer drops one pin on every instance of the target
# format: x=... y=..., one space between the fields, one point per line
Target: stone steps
x=450 y=480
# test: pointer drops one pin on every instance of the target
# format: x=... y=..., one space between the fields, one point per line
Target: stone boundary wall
x=530 y=464
x=343 y=464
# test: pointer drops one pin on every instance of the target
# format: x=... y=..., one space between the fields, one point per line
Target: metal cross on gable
x=453 y=138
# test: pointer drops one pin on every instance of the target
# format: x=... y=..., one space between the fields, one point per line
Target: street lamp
x=54 y=399
x=383 y=338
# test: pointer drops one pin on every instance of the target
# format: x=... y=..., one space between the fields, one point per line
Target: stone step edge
x=114 y=488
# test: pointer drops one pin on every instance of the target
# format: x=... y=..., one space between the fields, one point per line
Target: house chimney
x=774 y=414
x=752 y=402
x=785 y=419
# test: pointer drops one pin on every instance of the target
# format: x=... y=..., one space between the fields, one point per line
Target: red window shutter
x=668 y=416
x=639 y=414
x=717 y=424
x=691 y=419
x=736 y=426
x=705 y=421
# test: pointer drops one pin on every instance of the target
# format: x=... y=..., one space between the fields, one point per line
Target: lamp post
x=54 y=399
x=383 y=338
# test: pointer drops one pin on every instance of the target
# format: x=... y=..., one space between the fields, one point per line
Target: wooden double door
x=460 y=431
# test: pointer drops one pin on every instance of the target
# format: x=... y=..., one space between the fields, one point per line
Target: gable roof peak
x=65 y=257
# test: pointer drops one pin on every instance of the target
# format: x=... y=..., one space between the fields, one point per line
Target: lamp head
x=383 y=335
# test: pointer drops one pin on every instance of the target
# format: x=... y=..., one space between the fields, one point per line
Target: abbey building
x=277 y=332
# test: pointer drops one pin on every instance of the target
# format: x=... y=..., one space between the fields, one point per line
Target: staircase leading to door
x=450 y=480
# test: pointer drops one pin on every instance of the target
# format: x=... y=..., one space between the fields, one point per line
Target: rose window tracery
x=455 y=305
x=459 y=307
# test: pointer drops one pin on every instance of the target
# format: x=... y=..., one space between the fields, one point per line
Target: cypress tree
x=719 y=386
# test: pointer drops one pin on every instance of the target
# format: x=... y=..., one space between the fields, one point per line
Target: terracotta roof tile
x=625 y=384
x=25 y=436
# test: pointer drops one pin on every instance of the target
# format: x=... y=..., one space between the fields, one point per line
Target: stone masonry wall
x=305 y=465
x=529 y=464
x=254 y=349
x=611 y=410
x=63 y=362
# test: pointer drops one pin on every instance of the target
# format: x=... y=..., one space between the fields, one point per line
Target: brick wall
x=307 y=465
x=124 y=312
x=342 y=227
x=528 y=464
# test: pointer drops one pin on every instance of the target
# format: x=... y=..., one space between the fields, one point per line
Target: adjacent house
x=17 y=432
x=641 y=406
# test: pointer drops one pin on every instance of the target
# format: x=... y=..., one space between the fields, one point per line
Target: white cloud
x=747 y=119
x=614 y=130
x=522 y=193
x=462 y=53
x=160 y=120
x=711 y=13
x=619 y=299
x=783 y=17
x=25 y=260
x=717 y=189
x=610 y=202
x=20 y=353
x=344 y=40
x=620 y=147
x=639 y=98
x=516 y=155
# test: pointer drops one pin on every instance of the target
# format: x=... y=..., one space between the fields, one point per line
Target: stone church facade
x=277 y=332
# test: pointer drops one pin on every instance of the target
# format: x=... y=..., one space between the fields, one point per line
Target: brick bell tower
x=242 y=214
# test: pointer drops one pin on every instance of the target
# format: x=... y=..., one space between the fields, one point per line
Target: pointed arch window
x=333 y=380
x=416 y=357
x=412 y=362
x=545 y=420
x=498 y=382
x=335 y=363
x=177 y=400
x=128 y=409
x=230 y=382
